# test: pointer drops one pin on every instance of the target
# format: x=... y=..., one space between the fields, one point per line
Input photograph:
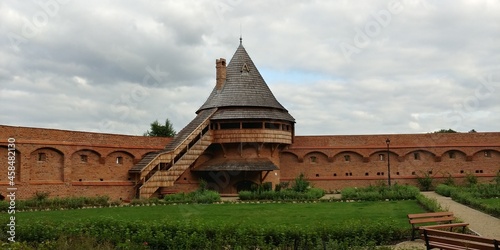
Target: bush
x=163 y=234
x=471 y=179
x=41 y=201
x=449 y=181
x=201 y=197
x=283 y=195
x=300 y=184
x=428 y=203
x=380 y=192
x=425 y=181
x=445 y=190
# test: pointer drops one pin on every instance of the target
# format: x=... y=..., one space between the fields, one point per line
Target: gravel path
x=481 y=223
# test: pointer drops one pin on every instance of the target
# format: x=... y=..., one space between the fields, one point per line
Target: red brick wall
x=323 y=158
x=63 y=172
x=85 y=164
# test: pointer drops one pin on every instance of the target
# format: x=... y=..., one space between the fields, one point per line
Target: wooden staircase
x=162 y=169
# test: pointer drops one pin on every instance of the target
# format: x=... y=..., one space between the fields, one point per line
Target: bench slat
x=459 y=242
x=434 y=219
x=460 y=236
x=452 y=241
x=423 y=215
x=430 y=219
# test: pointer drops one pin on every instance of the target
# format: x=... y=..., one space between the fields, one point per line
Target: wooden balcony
x=252 y=135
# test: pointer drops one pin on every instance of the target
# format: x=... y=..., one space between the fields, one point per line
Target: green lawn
x=255 y=214
x=494 y=202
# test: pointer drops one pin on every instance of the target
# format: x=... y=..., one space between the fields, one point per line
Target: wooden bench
x=456 y=241
x=433 y=221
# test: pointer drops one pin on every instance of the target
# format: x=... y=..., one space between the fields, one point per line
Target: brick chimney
x=220 y=72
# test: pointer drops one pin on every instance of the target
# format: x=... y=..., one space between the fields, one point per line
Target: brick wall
x=333 y=162
x=72 y=163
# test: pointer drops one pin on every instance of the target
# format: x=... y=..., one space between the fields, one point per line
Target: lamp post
x=388 y=163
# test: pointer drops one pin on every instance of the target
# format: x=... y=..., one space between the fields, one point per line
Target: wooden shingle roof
x=245 y=94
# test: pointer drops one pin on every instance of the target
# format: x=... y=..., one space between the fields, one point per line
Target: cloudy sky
x=339 y=67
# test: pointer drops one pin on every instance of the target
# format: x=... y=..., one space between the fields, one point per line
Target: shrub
x=162 y=234
x=496 y=180
x=41 y=201
x=445 y=190
x=287 y=194
x=380 y=192
x=449 y=181
x=425 y=181
x=202 y=197
x=470 y=179
x=429 y=203
x=41 y=196
x=300 y=184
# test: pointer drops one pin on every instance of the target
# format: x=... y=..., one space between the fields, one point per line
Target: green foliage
x=164 y=234
x=474 y=196
x=203 y=186
x=425 y=181
x=445 y=190
x=380 y=192
x=41 y=202
x=449 y=181
x=282 y=195
x=429 y=203
x=41 y=196
x=496 y=180
x=160 y=130
x=445 y=131
x=199 y=197
x=300 y=184
x=281 y=185
x=471 y=179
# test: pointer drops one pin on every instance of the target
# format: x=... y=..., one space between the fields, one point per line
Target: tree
x=445 y=131
x=160 y=130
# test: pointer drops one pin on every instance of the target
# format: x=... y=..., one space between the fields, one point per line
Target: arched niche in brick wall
x=486 y=154
x=4 y=159
x=46 y=164
x=85 y=156
x=419 y=155
x=120 y=158
x=85 y=163
x=381 y=156
x=348 y=156
x=453 y=155
x=315 y=157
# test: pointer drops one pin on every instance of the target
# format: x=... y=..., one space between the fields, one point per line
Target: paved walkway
x=481 y=223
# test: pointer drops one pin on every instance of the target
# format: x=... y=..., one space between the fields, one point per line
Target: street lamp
x=388 y=163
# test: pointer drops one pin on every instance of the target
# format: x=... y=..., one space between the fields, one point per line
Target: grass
x=302 y=214
x=494 y=202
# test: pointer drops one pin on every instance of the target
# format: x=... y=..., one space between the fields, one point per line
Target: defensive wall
x=333 y=162
x=72 y=163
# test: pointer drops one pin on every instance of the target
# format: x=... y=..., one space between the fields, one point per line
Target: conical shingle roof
x=245 y=94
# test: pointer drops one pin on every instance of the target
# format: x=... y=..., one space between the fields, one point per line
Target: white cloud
x=85 y=66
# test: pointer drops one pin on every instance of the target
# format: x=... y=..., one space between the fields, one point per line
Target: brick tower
x=232 y=143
